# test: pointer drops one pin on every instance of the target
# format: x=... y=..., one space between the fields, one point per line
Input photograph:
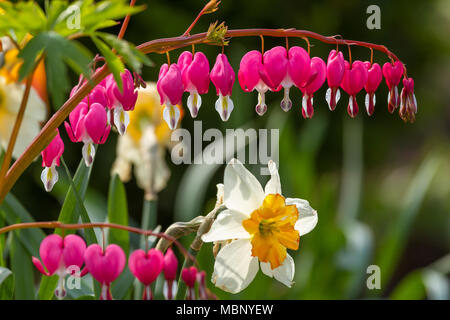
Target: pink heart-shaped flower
x=106 y=266
x=355 y=77
x=146 y=266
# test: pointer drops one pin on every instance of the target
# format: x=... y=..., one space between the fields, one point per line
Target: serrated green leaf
x=118 y=213
x=58 y=52
x=53 y=10
x=133 y=57
x=6 y=284
x=114 y=63
x=22 y=268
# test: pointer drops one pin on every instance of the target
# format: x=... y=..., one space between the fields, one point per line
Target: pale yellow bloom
x=144 y=144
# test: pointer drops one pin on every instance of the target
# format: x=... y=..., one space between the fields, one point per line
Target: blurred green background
x=381 y=187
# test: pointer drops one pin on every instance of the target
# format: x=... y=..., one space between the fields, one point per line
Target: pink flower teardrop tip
x=50 y=160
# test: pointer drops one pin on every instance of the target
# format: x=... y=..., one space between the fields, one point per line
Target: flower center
x=272 y=230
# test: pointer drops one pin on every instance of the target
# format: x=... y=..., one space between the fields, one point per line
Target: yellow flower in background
x=11 y=92
x=144 y=144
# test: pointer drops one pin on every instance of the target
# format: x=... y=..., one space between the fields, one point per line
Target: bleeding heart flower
x=335 y=74
x=146 y=267
x=317 y=77
x=170 y=273
x=195 y=75
x=170 y=88
x=50 y=159
x=97 y=94
x=374 y=78
x=393 y=74
x=223 y=76
x=408 y=102
x=189 y=276
x=106 y=266
x=355 y=77
x=88 y=124
x=121 y=101
x=61 y=256
x=252 y=76
x=299 y=68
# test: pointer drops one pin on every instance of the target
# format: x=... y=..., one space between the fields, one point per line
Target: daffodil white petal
x=284 y=273
x=307 y=216
x=273 y=185
x=228 y=225
x=235 y=268
x=242 y=190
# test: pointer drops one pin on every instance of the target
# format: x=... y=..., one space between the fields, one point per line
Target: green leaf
x=410 y=288
x=23 y=270
x=393 y=243
x=133 y=57
x=47 y=287
x=58 y=52
x=114 y=63
x=15 y=213
x=68 y=213
x=81 y=209
x=118 y=213
x=6 y=284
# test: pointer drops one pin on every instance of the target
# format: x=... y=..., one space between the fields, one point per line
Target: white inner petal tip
x=171 y=115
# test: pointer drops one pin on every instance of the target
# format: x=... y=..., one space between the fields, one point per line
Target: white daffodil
x=259 y=226
x=11 y=93
x=144 y=144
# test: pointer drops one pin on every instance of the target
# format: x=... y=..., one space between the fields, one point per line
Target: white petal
x=242 y=190
x=171 y=115
x=166 y=289
x=121 y=120
x=284 y=273
x=49 y=177
x=307 y=218
x=224 y=106
x=88 y=152
x=235 y=267
x=273 y=185
x=194 y=103
x=228 y=225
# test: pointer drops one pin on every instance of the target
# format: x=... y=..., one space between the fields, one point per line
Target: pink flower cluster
x=91 y=121
x=64 y=256
x=106 y=105
x=281 y=68
x=191 y=74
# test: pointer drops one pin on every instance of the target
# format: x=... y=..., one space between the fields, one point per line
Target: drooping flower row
x=281 y=68
x=64 y=256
